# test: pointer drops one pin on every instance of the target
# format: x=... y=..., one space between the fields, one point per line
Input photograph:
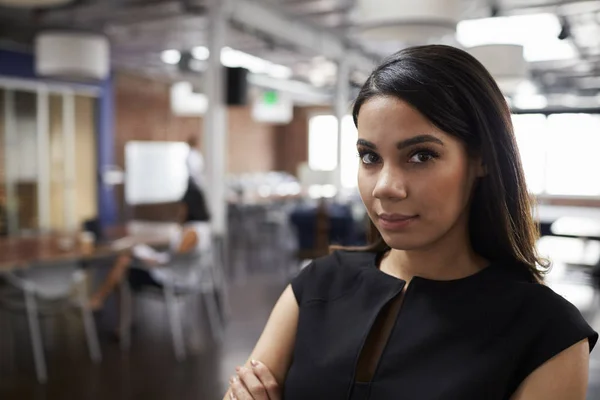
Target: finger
x=252 y=383
x=267 y=379
x=238 y=390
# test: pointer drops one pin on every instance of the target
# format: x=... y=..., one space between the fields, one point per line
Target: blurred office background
x=99 y=98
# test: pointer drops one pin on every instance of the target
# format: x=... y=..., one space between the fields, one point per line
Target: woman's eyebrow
x=418 y=140
x=366 y=143
x=404 y=143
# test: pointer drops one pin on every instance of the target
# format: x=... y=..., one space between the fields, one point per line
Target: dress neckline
x=377 y=256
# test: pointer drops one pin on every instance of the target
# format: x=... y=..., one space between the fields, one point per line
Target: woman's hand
x=255 y=383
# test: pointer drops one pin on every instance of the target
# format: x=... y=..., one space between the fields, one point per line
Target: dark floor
x=149 y=371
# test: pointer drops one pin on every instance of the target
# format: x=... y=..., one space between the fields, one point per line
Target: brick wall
x=143 y=112
x=291 y=141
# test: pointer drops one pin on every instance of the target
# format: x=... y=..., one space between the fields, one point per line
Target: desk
x=18 y=252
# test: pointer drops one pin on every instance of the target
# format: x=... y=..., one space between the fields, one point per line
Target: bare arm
x=276 y=344
x=564 y=376
x=188 y=242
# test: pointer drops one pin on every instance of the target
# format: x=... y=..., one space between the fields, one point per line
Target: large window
x=560 y=153
x=47 y=157
x=530 y=131
x=322 y=147
x=322 y=143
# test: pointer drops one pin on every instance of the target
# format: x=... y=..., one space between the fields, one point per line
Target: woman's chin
x=402 y=242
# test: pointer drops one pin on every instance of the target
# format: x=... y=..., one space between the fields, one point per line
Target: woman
x=143 y=263
x=448 y=301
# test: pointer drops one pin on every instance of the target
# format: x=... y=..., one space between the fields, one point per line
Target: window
x=322 y=143
x=559 y=153
x=322 y=147
x=573 y=163
x=530 y=132
x=349 y=165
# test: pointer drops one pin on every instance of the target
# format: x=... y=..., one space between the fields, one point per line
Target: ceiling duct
x=34 y=3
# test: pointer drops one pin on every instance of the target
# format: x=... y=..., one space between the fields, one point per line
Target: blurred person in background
x=141 y=264
x=195 y=163
x=194 y=193
x=447 y=301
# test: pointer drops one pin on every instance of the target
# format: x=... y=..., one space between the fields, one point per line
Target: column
x=69 y=162
x=10 y=147
x=214 y=143
x=43 y=159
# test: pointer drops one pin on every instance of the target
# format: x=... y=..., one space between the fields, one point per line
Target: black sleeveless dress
x=468 y=339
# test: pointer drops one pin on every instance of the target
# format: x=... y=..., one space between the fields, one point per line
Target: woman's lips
x=395 y=222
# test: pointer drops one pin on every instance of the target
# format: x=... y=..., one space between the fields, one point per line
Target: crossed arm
x=563 y=377
x=274 y=348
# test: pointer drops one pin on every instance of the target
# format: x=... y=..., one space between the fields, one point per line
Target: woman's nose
x=390 y=184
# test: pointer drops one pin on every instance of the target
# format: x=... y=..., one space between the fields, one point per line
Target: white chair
x=186 y=276
x=45 y=289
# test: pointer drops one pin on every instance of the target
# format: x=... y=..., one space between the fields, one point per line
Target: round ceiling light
x=72 y=55
x=408 y=21
x=505 y=62
x=34 y=3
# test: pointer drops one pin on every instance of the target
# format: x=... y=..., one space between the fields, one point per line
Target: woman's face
x=414 y=179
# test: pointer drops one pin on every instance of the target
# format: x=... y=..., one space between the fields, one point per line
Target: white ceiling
x=140 y=30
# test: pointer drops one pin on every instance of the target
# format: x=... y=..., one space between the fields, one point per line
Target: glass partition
x=47 y=160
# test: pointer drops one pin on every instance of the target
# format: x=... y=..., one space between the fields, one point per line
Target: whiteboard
x=155 y=172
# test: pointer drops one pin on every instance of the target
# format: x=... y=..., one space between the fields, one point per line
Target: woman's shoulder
x=332 y=275
x=549 y=324
x=548 y=304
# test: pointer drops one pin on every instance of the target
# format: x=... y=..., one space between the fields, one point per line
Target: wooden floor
x=149 y=371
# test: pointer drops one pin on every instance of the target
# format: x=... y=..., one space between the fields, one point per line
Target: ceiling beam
x=270 y=20
x=96 y=14
x=544 y=4
x=320 y=13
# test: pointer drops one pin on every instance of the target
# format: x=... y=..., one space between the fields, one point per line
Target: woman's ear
x=482 y=170
x=480 y=167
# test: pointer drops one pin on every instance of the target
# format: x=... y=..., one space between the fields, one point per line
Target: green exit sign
x=270 y=97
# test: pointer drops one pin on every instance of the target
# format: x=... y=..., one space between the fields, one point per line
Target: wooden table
x=18 y=252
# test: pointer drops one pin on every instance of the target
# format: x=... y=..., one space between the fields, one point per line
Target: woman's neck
x=451 y=257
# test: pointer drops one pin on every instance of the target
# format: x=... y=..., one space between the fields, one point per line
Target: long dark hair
x=457 y=94
x=194 y=201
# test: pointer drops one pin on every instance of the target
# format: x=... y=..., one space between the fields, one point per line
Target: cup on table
x=65 y=243
x=87 y=240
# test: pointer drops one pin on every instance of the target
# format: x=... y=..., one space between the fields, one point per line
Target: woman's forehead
x=392 y=119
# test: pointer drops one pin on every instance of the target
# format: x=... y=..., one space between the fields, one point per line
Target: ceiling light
x=200 y=53
x=238 y=59
x=530 y=102
x=409 y=20
x=279 y=71
x=505 y=62
x=537 y=33
x=170 y=56
x=72 y=54
x=527 y=88
x=233 y=59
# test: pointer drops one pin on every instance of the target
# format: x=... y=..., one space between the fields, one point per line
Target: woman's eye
x=369 y=158
x=422 y=157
